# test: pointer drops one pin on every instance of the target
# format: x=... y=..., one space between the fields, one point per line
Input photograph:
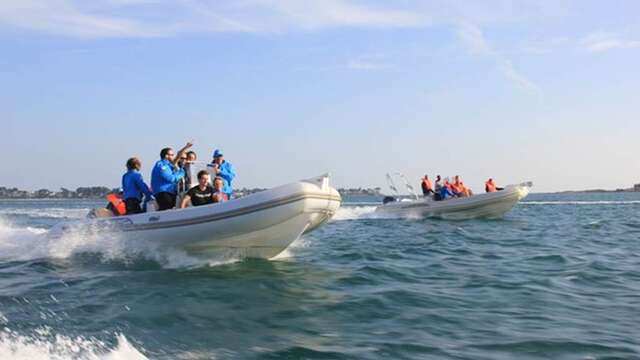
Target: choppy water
x=558 y=278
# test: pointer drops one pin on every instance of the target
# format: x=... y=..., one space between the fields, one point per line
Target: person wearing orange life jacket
x=116 y=205
x=427 y=186
x=490 y=186
x=458 y=187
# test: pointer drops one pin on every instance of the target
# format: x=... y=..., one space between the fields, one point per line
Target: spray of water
x=43 y=344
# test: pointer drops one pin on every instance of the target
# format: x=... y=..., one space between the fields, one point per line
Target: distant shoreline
x=98 y=192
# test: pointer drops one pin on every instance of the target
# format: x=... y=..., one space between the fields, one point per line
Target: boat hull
x=488 y=205
x=260 y=225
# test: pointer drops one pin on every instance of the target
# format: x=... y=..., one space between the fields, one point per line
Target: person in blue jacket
x=164 y=177
x=223 y=169
x=134 y=187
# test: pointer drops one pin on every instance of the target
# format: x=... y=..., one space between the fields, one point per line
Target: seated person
x=458 y=188
x=202 y=194
x=219 y=195
x=445 y=191
x=427 y=187
x=490 y=186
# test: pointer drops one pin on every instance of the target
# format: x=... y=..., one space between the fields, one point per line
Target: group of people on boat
x=171 y=177
x=444 y=189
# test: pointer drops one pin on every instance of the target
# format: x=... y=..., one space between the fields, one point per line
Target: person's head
x=191 y=156
x=426 y=176
x=134 y=164
x=456 y=178
x=490 y=180
x=218 y=156
x=183 y=160
x=218 y=183
x=438 y=177
x=203 y=178
x=167 y=154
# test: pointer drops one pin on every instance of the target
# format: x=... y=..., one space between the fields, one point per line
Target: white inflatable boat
x=487 y=205
x=260 y=225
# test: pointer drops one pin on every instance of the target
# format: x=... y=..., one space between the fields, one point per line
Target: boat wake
x=347 y=212
x=28 y=243
x=46 y=213
x=604 y=202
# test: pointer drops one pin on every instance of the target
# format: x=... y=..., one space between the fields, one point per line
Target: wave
x=602 y=202
x=27 y=243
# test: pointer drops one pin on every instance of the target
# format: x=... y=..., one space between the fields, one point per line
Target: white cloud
x=144 y=18
x=603 y=41
x=473 y=39
x=509 y=72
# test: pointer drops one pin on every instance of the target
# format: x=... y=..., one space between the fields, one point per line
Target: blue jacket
x=445 y=193
x=227 y=174
x=133 y=186
x=165 y=176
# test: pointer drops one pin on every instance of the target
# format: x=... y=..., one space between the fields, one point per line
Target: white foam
x=44 y=345
x=355 y=212
x=26 y=243
x=56 y=213
x=603 y=202
x=291 y=251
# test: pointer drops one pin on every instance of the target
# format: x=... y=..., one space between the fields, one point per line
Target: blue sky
x=515 y=90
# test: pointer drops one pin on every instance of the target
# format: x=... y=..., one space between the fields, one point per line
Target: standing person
x=427 y=187
x=133 y=187
x=438 y=188
x=223 y=169
x=164 y=177
x=190 y=159
x=438 y=183
x=218 y=194
x=201 y=194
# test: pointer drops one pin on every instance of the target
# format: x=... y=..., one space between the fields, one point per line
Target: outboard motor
x=388 y=199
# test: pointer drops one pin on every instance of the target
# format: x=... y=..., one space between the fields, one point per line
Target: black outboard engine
x=388 y=199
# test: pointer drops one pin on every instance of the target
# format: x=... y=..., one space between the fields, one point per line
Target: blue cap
x=217 y=153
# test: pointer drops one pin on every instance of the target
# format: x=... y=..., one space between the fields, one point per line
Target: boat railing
x=408 y=186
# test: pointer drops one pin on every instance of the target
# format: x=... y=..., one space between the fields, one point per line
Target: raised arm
x=182 y=151
x=170 y=175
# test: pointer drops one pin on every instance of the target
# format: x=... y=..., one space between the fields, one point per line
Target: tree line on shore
x=93 y=192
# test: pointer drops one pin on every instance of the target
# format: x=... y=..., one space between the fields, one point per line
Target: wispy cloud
x=472 y=38
x=144 y=18
x=509 y=72
x=363 y=64
x=603 y=41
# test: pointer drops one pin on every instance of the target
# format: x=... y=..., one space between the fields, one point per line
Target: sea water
x=557 y=278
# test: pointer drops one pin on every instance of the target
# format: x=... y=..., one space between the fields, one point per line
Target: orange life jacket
x=457 y=187
x=426 y=184
x=118 y=204
x=490 y=186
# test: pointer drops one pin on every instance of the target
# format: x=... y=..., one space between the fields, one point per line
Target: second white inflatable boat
x=487 y=205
